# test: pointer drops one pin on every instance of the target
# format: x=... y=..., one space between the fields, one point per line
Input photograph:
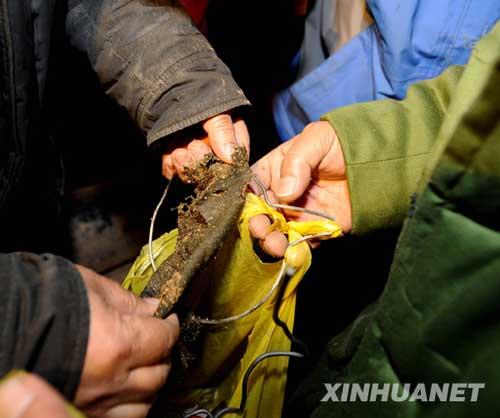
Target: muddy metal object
x=203 y=225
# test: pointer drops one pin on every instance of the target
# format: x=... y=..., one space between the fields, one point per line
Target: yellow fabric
x=238 y=280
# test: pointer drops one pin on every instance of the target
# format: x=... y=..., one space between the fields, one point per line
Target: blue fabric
x=409 y=41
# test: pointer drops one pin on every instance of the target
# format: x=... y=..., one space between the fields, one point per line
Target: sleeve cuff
x=46 y=317
x=380 y=186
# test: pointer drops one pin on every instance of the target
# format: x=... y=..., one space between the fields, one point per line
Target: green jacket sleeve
x=387 y=145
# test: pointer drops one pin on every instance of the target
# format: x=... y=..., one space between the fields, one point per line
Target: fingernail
x=152 y=301
x=198 y=152
x=229 y=150
x=286 y=186
x=181 y=157
x=173 y=320
x=272 y=250
x=18 y=396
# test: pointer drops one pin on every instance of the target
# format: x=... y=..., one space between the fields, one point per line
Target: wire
x=244 y=386
x=262 y=357
x=280 y=280
x=267 y=296
x=283 y=270
x=198 y=412
x=289 y=207
x=152 y=225
x=277 y=282
x=267 y=200
x=283 y=325
x=246 y=378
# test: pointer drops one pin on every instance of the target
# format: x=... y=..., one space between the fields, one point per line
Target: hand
x=28 y=396
x=128 y=352
x=307 y=171
x=223 y=138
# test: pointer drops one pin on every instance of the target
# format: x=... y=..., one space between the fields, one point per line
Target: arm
x=92 y=340
x=386 y=146
x=151 y=59
x=361 y=164
x=45 y=318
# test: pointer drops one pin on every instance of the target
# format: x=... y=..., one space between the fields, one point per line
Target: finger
x=126 y=302
x=259 y=226
x=275 y=244
x=151 y=339
x=28 y=396
x=242 y=135
x=143 y=383
x=198 y=150
x=182 y=159
x=122 y=300
x=140 y=306
x=298 y=163
x=262 y=170
x=132 y=410
x=222 y=137
x=168 y=168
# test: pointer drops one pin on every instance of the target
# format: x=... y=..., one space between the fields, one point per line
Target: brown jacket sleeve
x=153 y=61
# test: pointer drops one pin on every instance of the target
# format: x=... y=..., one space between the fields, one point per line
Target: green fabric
x=438 y=319
x=386 y=147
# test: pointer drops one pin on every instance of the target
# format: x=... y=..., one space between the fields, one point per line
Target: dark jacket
x=152 y=61
x=438 y=318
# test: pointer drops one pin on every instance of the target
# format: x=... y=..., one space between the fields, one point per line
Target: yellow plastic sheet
x=239 y=279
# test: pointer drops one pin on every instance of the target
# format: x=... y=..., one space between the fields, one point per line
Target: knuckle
x=195 y=145
x=122 y=347
x=122 y=352
x=296 y=162
x=179 y=153
x=221 y=121
x=198 y=147
x=132 y=301
x=311 y=127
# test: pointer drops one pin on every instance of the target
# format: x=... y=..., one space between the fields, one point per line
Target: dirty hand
x=224 y=135
x=128 y=352
x=28 y=396
x=307 y=171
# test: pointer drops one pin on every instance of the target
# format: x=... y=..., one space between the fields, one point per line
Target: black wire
x=277 y=320
x=244 y=385
x=246 y=378
x=259 y=359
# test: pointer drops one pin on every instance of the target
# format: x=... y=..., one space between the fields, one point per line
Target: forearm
x=45 y=318
x=152 y=60
x=387 y=145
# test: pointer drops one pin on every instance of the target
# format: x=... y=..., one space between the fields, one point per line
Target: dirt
x=204 y=221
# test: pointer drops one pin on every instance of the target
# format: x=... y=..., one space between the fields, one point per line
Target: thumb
x=295 y=176
x=222 y=136
x=24 y=395
x=306 y=154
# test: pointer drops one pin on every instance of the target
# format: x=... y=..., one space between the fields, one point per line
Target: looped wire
x=276 y=285
x=283 y=270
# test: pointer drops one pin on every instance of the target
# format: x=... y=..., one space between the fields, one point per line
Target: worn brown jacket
x=153 y=62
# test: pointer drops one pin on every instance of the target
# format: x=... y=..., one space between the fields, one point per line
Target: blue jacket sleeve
x=409 y=41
